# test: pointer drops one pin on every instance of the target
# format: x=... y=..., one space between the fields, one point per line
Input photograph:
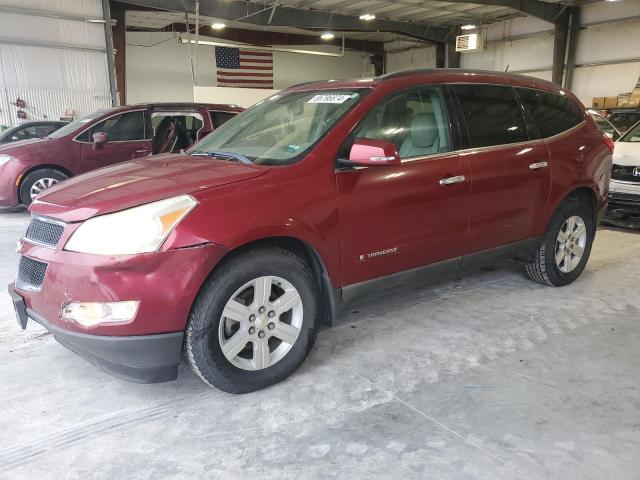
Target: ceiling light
x=468 y=27
x=367 y=17
x=217 y=25
x=327 y=36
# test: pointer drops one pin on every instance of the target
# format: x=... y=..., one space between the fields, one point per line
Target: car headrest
x=424 y=130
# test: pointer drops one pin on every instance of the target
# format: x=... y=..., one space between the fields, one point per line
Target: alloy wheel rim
x=260 y=323
x=570 y=244
x=41 y=185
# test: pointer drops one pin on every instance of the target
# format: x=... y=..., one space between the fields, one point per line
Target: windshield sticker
x=329 y=98
x=292 y=148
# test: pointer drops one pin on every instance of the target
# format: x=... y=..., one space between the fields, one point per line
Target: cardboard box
x=610 y=102
x=598 y=102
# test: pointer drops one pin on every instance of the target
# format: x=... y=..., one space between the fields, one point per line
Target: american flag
x=243 y=67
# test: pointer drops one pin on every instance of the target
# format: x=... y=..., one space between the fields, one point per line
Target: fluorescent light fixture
x=468 y=27
x=218 y=25
x=367 y=17
x=327 y=36
x=261 y=48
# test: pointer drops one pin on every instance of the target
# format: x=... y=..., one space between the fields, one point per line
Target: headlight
x=140 y=229
x=92 y=314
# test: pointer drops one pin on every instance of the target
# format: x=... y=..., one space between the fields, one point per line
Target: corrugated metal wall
x=52 y=57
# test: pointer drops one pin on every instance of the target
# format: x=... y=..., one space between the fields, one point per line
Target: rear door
x=395 y=218
x=127 y=132
x=510 y=174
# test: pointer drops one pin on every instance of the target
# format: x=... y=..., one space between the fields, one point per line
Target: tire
x=42 y=177
x=208 y=329
x=544 y=267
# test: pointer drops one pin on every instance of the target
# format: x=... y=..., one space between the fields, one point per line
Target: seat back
x=423 y=138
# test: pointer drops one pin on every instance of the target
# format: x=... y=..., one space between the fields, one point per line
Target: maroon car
x=235 y=252
x=102 y=139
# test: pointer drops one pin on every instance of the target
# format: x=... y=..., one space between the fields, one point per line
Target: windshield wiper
x=225 y=155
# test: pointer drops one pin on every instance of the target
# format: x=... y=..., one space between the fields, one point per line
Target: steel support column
x=106 y=13
x=572 y=46
x=559 y=51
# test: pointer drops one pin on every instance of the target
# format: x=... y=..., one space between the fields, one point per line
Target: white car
x=625 y=173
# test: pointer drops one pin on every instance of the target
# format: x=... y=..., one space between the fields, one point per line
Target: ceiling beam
x=258 y=14
x=555 y=13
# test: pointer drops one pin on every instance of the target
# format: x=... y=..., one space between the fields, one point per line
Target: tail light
x=609 y=142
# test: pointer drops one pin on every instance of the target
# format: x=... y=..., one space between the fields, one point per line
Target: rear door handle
x=538 y=165
x=452 y=180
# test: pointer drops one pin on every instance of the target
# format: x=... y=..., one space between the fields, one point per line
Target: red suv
x=234 y=252
x=101 y=139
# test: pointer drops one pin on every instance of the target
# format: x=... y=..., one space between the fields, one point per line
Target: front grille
x=625 y=173
x=30 y=274
x=44 y=232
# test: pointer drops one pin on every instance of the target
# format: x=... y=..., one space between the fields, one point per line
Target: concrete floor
x=490 y=376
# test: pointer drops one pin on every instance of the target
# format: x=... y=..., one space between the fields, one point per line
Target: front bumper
x=140 y=358
x=146 y=349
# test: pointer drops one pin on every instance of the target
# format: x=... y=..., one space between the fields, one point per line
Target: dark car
x=624 y=118
x=28 y=130
x=235 y=252
x=101 y=139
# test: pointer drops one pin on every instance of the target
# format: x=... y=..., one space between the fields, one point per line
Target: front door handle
x=452 y=180
x=538 y=165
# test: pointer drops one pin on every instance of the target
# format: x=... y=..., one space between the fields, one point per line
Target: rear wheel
x=37 y=182
x=565 y=248
x=254 y=321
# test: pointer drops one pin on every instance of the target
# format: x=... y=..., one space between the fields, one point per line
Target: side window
x=552 y=113
x=492 y=114
x=37 y=131
x=120 y=128
x=220 y=118
x=416 y=121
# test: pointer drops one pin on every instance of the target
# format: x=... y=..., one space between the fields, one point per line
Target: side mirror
x=99 y=139
x=367 y=152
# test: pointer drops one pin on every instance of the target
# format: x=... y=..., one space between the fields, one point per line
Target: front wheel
x=566 y=246
x=254 y=321
x=37 y=182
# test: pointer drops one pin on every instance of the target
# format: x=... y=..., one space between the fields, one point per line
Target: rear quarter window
x=220 y=118
x=551 y=112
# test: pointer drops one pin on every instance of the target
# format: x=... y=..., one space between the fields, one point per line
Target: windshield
x=633 y=135
x=76 y=124
x=624 y=120
x=280 y=129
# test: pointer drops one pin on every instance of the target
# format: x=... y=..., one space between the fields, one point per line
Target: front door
x=510 y=171
x=127 y=139
x=396 y=218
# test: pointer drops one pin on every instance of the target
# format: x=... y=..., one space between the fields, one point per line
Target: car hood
x=31 y=145
x=626 y=153
x=140 y=181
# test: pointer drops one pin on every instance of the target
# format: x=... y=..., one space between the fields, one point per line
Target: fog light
x=91 y=314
